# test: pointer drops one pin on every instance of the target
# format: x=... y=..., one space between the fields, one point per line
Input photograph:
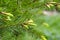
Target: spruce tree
x=24 y=20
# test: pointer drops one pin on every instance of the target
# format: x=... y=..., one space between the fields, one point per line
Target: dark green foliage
x=24 y=20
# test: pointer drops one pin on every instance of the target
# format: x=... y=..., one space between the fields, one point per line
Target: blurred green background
x=29 y=19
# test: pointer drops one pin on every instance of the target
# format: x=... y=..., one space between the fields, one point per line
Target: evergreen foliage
x=24 y=20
